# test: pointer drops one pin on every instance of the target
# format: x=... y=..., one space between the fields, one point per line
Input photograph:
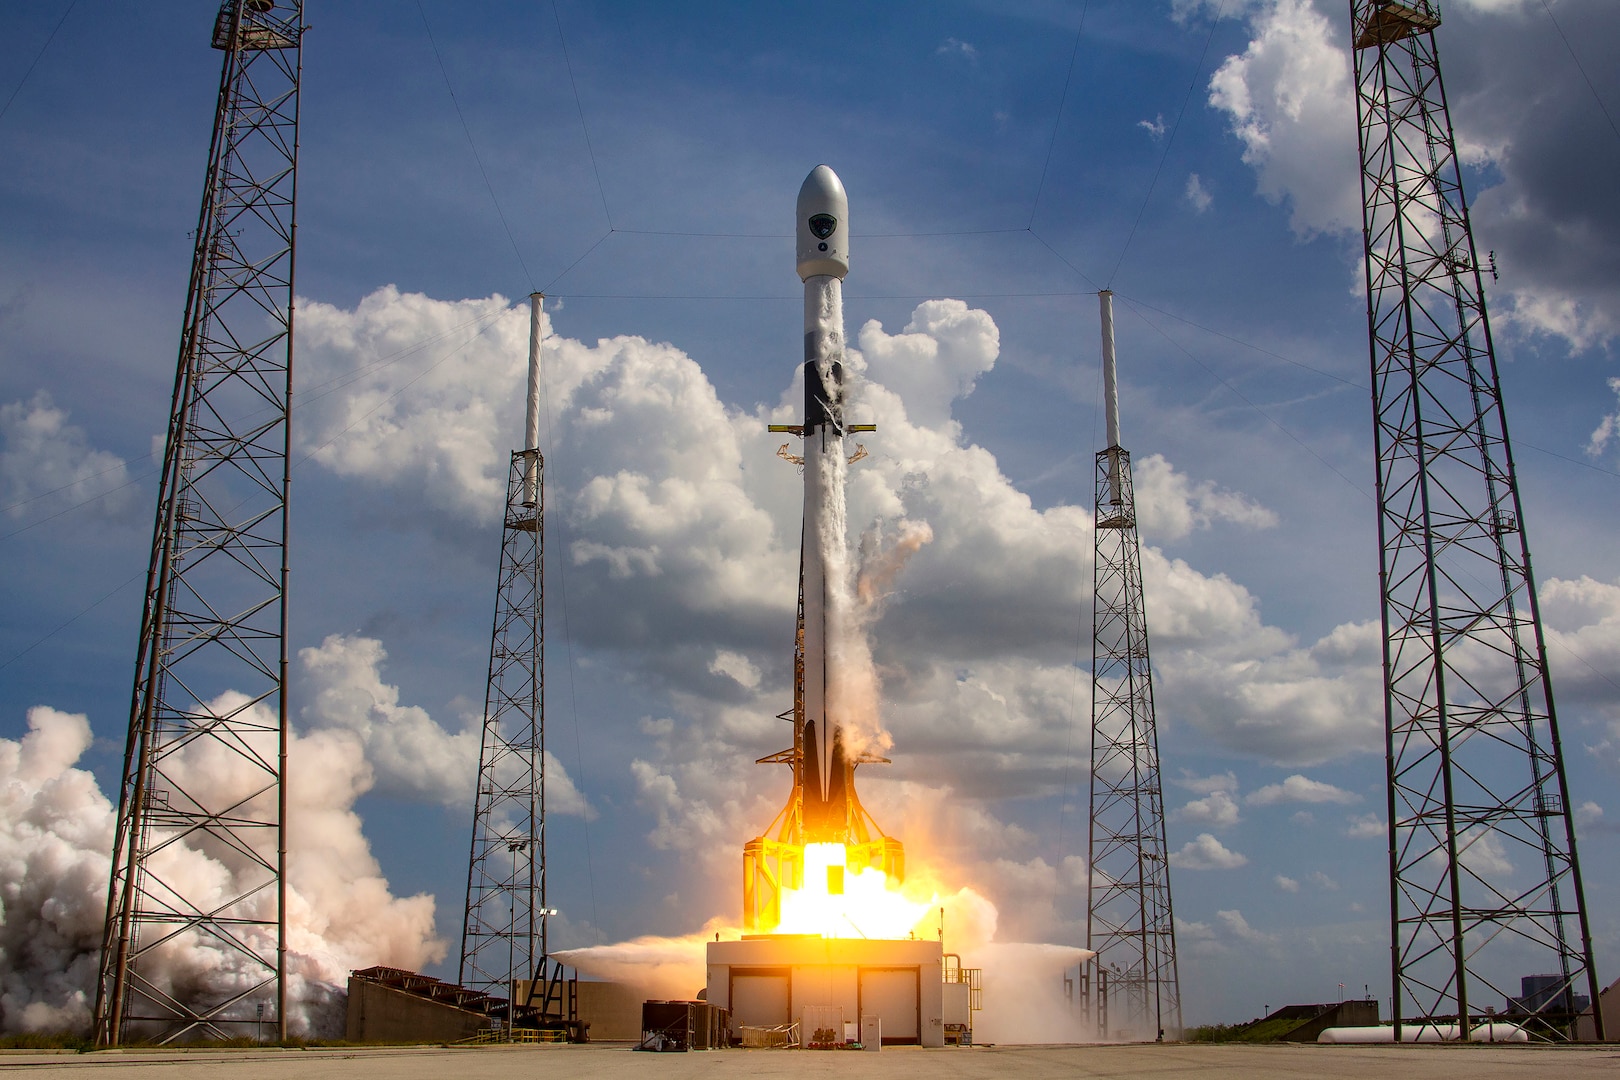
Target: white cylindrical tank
x=823 y=226
x=1425 y=1033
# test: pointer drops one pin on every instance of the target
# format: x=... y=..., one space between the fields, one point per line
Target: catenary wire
x=1057 y=121
x=37 y=57
x=1581 y=68
x=1169 y=141
x=471 y=145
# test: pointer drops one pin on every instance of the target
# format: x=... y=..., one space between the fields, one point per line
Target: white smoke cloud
x=56 y=836
x=47 y=464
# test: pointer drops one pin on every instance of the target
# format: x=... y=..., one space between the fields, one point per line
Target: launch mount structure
x=1129 y=922
x=205 y=761
x=1485 y=885
x=504 y=950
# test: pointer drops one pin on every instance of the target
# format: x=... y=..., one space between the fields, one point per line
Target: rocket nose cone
x=822 y=230
x=821 y=187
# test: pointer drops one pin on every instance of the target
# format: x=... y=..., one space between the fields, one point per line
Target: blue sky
x=1202 y=166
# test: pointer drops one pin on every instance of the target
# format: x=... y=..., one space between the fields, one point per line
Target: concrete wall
x=380 y=1013
x=1354 y=1013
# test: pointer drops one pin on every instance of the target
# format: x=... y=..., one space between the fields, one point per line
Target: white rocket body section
x=823 y=260
x=531 y=429
x=1105 y=300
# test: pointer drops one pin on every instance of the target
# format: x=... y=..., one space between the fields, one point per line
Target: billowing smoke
x=56 y=833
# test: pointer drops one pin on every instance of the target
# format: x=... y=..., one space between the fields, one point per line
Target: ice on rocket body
x=822 y=249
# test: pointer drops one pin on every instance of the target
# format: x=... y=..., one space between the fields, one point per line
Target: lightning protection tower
x=185 y=955
x=503 y=942
x=1485 y=886
x=1128 y=913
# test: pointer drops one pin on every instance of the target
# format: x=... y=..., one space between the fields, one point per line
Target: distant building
x=1542 y=994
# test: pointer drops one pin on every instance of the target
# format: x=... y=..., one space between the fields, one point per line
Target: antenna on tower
x=1485 y=885
x=1129 y=922
x=211 y=667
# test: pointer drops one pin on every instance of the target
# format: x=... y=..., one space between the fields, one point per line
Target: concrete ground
x=618 y=1062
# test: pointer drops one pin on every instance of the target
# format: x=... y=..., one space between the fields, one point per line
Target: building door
x=892 y=995
x=759 y=999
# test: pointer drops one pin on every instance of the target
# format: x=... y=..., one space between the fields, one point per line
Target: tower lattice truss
x=504 y=930
x=1485 y=883
x=1129 y=923
x=189 y=955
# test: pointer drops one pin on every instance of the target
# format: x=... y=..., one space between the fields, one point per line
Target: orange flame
x=836 y=902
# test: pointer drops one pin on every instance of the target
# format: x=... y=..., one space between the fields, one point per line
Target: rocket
x=823 y=259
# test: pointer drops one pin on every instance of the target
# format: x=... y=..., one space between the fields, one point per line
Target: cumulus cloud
x=1524 y=120
x=1289 y=99
x=56 y=832
x=47 y=464
x=1169 y=505
x=1367 y=827
x=1217 y=810
x=1204 y=852
x=934 y=360
x=1299 y=788
x=410 y=755
x=1234 y=924
x=1286 y=884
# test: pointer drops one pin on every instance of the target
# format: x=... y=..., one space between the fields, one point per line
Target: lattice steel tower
x=1485 y=886
x=1128 y=914
x=503 y=938
x=206 y=756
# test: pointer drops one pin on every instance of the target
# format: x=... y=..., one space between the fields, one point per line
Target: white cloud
x=1197 y=195
x=1289 y=99
x=1217 y=810
x=1207 y=853
x=411 y=756
x=1588 y=813
x=1169 y=505
x=1207 y=785
x=1322 y=881
x=1367 y=827
x=47 y=464
x=1286 y=884
x=736 y=667
x=1154 y=127
x=935 y=360
x=953 y=47
x=1607 y=428
x=1233 y=923
x=1299 y=788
